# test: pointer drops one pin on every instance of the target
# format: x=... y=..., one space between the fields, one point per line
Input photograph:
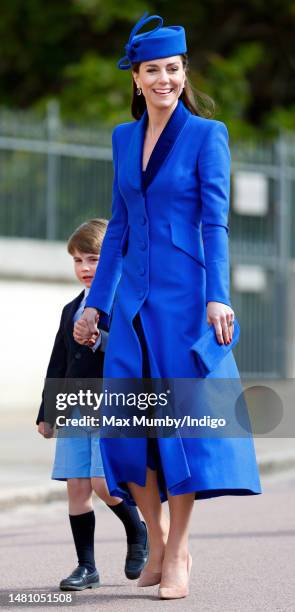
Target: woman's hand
x=85 y=329
x=222 y=317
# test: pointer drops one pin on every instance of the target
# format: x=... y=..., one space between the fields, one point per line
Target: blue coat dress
x=158 y=265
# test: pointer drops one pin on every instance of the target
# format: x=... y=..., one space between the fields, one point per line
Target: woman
x=172 y=173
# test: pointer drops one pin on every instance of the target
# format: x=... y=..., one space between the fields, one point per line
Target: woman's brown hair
x=201 y=105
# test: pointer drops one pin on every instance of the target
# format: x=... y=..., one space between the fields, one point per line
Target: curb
x=273 y=464
x=31 y=495
x=268 y=465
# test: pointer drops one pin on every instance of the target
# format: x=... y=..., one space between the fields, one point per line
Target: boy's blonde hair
x=88 y=237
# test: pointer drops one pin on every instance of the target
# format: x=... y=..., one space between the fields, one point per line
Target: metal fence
x=262 y=250
x=52 y=177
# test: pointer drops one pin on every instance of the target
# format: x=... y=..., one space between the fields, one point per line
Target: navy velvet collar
x=165 y=143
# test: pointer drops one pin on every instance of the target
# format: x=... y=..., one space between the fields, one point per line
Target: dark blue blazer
x=70 y=359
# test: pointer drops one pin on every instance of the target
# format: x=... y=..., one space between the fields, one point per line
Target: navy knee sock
x=130 y=518
x=83 y=526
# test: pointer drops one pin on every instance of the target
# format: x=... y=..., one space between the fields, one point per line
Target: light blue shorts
x=77 y=456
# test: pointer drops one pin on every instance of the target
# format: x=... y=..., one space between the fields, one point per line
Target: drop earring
x=138 y=91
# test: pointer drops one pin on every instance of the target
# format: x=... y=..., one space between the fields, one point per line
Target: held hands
x=45 y=429
x=85 y=329
x=222 y=317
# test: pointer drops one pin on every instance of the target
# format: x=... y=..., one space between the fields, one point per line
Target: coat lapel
x=165 y=143
x=134 y=156
x=139 y=180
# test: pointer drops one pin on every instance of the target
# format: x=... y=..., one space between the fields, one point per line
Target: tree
x=243 y=54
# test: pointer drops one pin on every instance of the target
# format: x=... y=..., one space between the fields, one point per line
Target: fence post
x=284 y=254
x=51 y=187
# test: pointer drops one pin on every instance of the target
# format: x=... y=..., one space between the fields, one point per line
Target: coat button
x=78 y=355
x=141 y=294
x=142 y=246
x=142 y=271
x=142 y=220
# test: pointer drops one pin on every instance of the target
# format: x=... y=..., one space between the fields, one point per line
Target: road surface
x=242 y=547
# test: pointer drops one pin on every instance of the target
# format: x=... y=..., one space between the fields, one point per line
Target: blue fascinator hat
x=154 y=44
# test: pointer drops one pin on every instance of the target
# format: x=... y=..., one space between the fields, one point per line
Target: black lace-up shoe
x=136 y=558
x=81 y=578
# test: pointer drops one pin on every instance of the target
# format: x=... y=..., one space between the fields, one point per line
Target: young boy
x=78 y=459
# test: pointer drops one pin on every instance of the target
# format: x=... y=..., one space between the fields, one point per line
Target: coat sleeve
x=108 y=271
x=57 y=366
x=214 y=175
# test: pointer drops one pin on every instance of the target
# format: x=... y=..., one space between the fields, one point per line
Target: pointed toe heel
x=177 y=592
x=173 y=592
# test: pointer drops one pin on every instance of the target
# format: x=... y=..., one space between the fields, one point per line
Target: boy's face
x=85 y=265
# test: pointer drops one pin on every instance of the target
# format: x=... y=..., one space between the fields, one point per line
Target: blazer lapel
x=71 y=312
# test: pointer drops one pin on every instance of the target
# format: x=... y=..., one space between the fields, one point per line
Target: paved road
x=243 y=551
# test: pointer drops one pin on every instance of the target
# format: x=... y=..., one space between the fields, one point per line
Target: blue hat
x=159 y=42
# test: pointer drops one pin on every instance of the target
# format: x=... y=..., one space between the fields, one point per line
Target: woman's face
x=161 y=81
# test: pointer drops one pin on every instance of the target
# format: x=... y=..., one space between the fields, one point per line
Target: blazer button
x=142 y=246
x=142 y=271
x=78 y=355
x=141 y=294
x=142 y=220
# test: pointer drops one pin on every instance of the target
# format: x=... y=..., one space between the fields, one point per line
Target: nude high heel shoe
x=177 y=591
x=149 y=578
